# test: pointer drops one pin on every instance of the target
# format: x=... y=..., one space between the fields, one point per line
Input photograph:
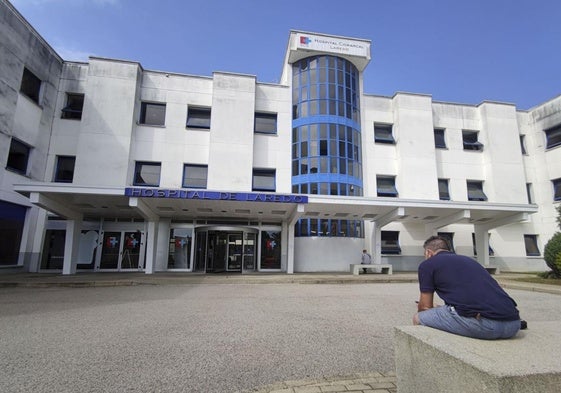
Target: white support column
x=377 y=241
x=38 y=238
x=482 y=244
x=482 y=234
x=285 y=235
x=151 y=246
x=296 y=215
x=72 y=242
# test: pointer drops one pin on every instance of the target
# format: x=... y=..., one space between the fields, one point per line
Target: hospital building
x=108 y=166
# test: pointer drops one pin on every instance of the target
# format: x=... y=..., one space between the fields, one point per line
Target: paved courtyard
x=206 y=337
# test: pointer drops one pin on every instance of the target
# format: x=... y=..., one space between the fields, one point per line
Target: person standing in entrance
x=475 y=305
x=366 y=259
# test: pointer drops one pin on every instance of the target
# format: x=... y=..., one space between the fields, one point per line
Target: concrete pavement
x=304 y=324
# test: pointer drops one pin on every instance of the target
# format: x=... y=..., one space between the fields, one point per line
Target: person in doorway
x=366 y=259
x=475 y=305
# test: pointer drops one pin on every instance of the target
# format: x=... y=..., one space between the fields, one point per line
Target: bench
x=492 y=269
x=383 y=269
x=432 y=361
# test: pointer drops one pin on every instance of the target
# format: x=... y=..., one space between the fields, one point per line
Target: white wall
x=324 y=254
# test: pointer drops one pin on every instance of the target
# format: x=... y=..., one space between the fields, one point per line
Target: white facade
x=91 y=223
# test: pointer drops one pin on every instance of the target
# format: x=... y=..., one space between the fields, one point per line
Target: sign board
x=214 y=195
x=336 y=45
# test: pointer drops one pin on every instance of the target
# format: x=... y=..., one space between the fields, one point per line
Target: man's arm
x=425 y=301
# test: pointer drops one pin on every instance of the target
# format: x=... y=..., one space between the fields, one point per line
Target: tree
x=552 y=252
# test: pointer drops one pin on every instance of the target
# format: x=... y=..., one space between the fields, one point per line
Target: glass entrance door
x=121 y=251
x=235 y=252
x=225 y=249
x=111 y=251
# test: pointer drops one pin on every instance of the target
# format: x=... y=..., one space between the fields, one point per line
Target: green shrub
x=552 y=254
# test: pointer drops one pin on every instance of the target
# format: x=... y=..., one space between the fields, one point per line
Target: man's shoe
x=523 y=324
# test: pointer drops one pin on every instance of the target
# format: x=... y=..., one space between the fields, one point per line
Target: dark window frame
x=443 y=189
x=138 y=180
x=383 y=133
x=385 y=186
x=193 y=181
x=530 y=193
x=531 y=245
x=264 y=174
x=439 y=138
x=449 y=236
x=556 y=189
x=74 y=107
x=553 y=137
x=146 y=114
x=31 y=85
x=198 y=117
x=390 y=243
x=523 y=145
x=265 y=123
x=470 y=140
x=18 y=157
x=64 y=169
x=475 y=190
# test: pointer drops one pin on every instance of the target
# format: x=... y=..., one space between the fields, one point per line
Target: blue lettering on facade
x=214 y=195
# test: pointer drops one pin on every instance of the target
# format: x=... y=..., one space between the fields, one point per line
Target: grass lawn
x=539 y=280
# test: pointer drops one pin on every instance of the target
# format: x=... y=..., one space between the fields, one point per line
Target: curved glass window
x=326 y=138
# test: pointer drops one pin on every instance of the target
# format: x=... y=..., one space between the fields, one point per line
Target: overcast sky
x=464 y=51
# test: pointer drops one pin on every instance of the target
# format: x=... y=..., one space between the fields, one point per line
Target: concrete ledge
x=376 y=267
x=429 y=360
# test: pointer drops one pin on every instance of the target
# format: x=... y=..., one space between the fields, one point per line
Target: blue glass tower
x=326 y=140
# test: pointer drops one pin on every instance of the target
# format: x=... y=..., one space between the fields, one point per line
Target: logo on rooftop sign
x=305 y=40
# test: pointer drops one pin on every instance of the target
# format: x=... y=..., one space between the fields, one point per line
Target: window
x=18 y=157
x=556 y=189
x=195 y=176
x=491 y=251
x=386 y=186
x=198 y=118
x=64 y=171
x=147 y=174
x=264 y=180
x=449 y=236
x=523 y=144
x=265 y=123
x=383 y=133
x=443 y=191
x=553 y=136
x=475 y=191
x=390 y=242
x=530 y=192
x=531 y=244
x=30 y=85
x=74 y=106
x=470 y=141
x=439 y=141
x=152 y=114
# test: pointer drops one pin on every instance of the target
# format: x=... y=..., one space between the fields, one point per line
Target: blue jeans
x=446 y=318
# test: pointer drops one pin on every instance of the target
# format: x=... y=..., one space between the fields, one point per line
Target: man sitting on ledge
x=475 y=305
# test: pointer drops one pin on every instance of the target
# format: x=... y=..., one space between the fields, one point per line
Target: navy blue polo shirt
x=465 y=284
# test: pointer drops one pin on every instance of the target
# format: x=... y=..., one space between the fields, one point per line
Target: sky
x=463 y=51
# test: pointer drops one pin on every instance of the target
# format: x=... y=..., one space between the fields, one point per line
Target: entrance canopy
x=75 y=202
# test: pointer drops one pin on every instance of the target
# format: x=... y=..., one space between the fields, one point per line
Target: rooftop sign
x=336 y=45
x=214 y=195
